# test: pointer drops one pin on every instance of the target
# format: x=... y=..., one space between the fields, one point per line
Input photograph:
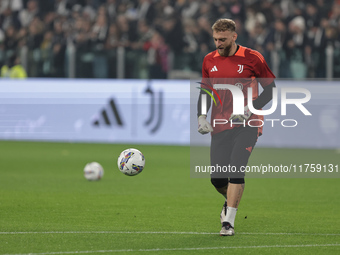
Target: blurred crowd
x=151 y=38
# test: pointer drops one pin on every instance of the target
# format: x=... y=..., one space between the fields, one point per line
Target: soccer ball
x=131 y=162
x=93 y=171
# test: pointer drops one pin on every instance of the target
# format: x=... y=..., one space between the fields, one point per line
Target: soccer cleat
x=223 y=212
x=227 y=229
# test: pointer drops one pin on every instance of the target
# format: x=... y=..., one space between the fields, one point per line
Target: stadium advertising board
x=155 y=112
x=112 y=111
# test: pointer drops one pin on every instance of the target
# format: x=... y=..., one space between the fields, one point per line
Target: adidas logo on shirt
x=214 y=69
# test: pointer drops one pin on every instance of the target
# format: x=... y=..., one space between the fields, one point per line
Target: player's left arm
x=268 y=84
x=266 y=79
x=265 y=97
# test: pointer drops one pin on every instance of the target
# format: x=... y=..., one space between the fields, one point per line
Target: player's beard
x=226 y=51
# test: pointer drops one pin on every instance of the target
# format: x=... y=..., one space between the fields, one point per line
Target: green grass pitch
x=48 y=207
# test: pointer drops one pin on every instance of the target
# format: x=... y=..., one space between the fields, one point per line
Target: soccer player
x=232 y=142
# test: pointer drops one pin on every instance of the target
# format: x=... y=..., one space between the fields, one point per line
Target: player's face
x=224 y=41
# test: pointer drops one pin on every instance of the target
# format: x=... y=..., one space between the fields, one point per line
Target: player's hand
x=204 y=126
x=241 y=117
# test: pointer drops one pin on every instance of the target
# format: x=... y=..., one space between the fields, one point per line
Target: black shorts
x=230 y=151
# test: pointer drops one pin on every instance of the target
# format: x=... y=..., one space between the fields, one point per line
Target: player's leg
x=235 y=191
x=234 y=194
x=243 y=143
x=220 y=152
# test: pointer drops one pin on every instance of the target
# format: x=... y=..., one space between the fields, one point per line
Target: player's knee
x=219 y=182
x=237 y=180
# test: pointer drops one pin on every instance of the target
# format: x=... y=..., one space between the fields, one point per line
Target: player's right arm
x=203 y=104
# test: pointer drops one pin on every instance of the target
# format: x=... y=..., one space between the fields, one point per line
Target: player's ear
x=234 y=36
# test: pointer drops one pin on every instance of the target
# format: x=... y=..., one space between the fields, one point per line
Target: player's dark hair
x=222 y=25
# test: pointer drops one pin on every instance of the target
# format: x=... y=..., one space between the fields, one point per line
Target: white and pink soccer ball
x=131 y=162
x=93 y=171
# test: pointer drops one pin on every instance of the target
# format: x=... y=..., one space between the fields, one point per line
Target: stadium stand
x=147 y=39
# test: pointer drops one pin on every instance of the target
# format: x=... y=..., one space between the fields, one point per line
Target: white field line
x=160 y=232
x=182 y=249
